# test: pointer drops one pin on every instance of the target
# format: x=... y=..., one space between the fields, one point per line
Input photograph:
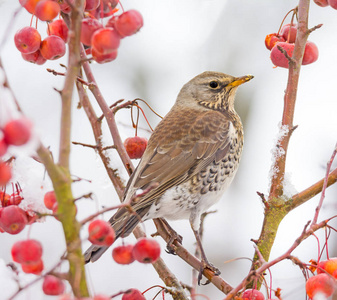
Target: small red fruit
x=135 y=146
x=13 y=219
x=289 y=37
x=4 y=198
x=333 y=3
x=49 y=199
x=27 y=40
x=89 y=26
x=35 y=57
x=3 y=146
x=272 y=39
x=5 y=173
x=47 y=10
x=29 y=5
x=15 y=198
x=58 y=28
x=329 y=266
x=146 y=250
x=252 y=294
x=123 y=254
x=310 y=53
x=101 y=233
x=133 y=294
x=103 y=58
x=91 y=5
x=26 y=251
x=17 y=132
x=53 y=286
x=321 y=283
x=35 y=267
x=321 y=3
x=105 y=40
x=128 y=23
x=53 y=47
x=278 y=58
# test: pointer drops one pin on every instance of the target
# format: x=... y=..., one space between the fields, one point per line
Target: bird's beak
x=240 y=80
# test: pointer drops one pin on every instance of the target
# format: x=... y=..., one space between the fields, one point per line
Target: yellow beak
x=240 y=80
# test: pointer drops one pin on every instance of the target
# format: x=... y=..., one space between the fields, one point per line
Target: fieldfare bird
x=192 y=155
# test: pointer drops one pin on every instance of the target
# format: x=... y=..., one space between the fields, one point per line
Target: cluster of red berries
x=325 y=281
x=135 y=146
x=101 y=41
x=285 y=39
x=145 y=250
x=13 y=219
x=324 y=3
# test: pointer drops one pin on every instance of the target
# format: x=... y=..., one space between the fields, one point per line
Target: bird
x=192 y=157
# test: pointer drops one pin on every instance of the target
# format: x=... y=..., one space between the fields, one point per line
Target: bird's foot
x=207 y=265
x=174 y=236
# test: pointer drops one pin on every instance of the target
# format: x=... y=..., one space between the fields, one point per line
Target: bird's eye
x=213 y=84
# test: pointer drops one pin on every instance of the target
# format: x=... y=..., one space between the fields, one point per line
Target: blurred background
x=179 y=40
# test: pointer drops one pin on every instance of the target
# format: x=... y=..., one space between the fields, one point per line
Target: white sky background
x=181 y=39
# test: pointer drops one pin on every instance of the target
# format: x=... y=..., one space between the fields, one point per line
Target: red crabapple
x=17 y=132
x=13 y=219
x=252 y=294
x=27 y=40
x=289 y=37
x=35 y=267
x=272 y=39
x=89 y=26
x=278 y=58
x=321 y=3
x=53 y=286
x=52 y=47
x=321 y=283
x=146 y=250
x=101 y=233
x=333 y=3
x=135 y=146
x=47 y=10
x=310 y=53
x=103 y=58
x=329 y=266
x=29 y=5
x=133 y=294
x=26 y=251
x=3 y=146
x=105 y=40
x=49 y=199
x=91 y=5
x=58 y=28
x=128 y=23
x=35 y=57
x=5 y=173
x=123 y=254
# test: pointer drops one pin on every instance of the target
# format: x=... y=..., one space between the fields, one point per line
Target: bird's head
x=213 y=90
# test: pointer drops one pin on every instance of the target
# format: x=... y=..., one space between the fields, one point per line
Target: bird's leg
x=205 y=264
x=174 y=236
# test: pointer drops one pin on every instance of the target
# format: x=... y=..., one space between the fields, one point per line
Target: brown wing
x=178 y=149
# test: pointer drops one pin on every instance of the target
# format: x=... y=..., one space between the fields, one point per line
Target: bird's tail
x=123 y=222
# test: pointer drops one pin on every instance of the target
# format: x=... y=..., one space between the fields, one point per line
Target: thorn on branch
x=264 y=201
x=314 y=28
x=85 y=145
x=284 y=52
x=292 y=129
